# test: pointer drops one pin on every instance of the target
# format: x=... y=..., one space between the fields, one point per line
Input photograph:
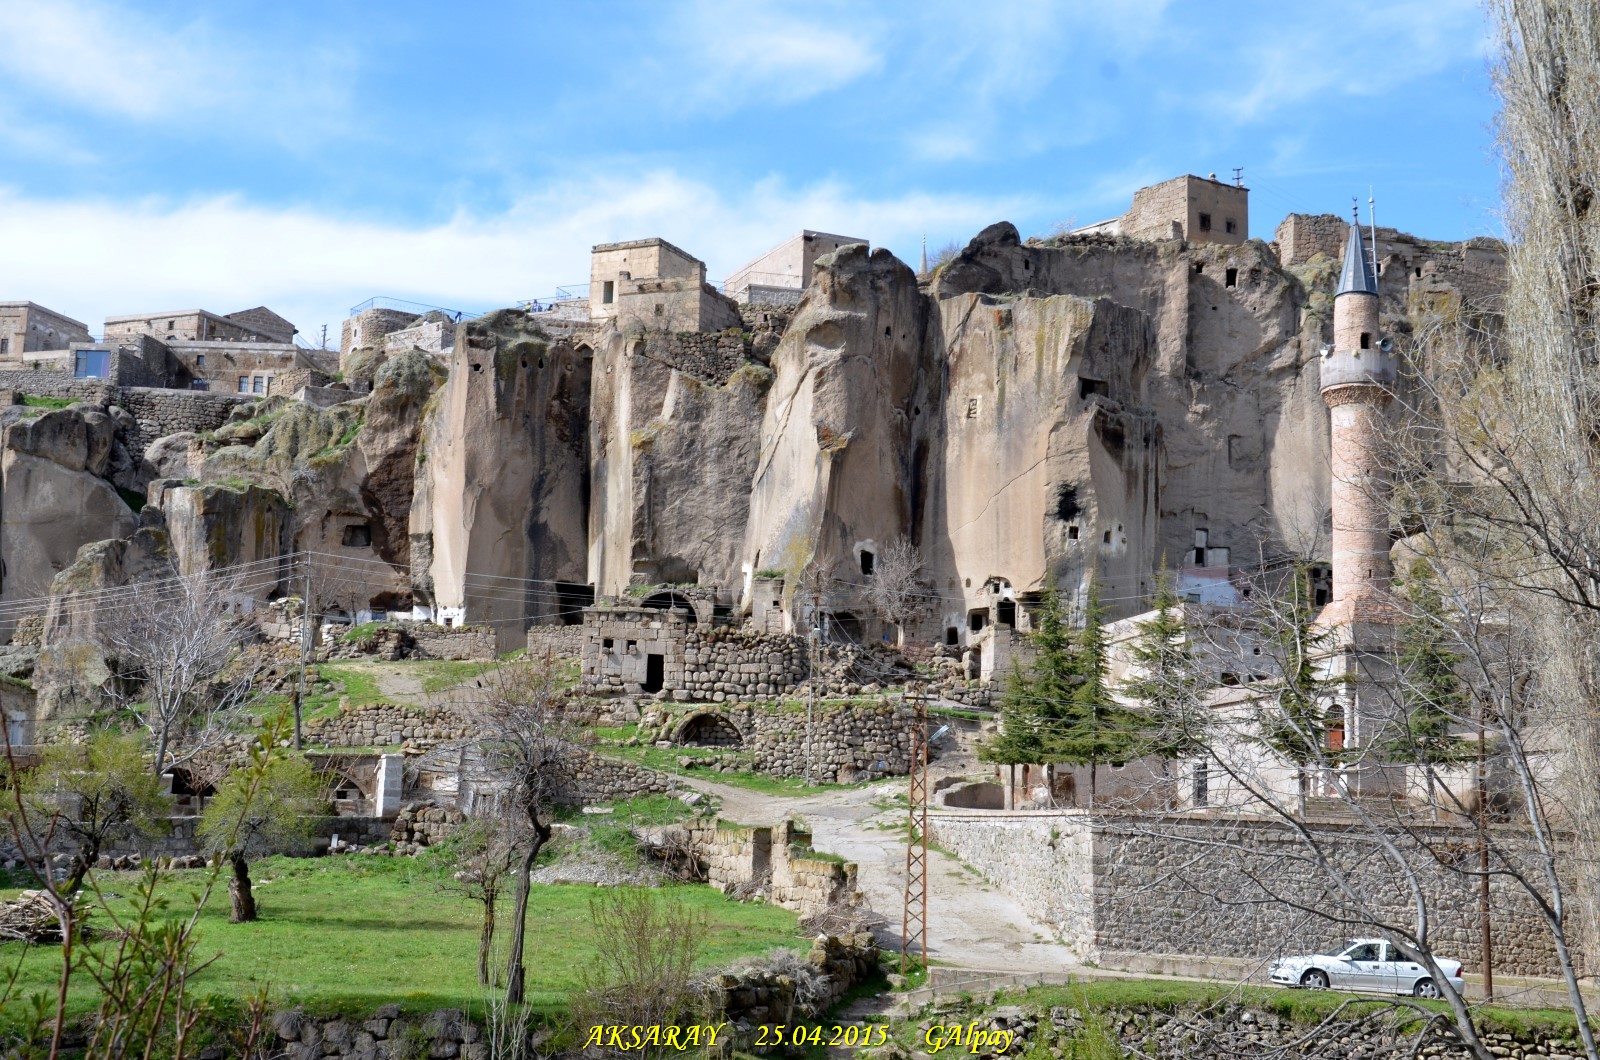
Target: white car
x=1373 y=966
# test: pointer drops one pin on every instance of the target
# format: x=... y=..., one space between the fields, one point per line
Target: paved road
x=970 y=924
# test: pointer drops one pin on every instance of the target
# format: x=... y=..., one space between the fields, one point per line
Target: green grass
x=438 y=675
x=665 y=759
x=348 y=934
x=34 y=401
x=347 y=680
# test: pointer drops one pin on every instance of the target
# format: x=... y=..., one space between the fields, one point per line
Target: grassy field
x=665 y=759
x=351 y=933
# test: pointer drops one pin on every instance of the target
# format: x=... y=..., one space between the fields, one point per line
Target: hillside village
x=790 y=540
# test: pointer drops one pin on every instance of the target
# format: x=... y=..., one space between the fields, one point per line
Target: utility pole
x=811 y=663
x=305 y=650
x=324 y=336
x=914 y=918
x=1486 y=939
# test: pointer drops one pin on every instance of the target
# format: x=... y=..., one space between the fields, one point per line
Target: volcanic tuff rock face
x=502 y=471
x=52 y=498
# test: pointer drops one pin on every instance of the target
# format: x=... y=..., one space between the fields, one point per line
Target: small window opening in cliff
x=1230 y=226
x=1199 y=268
x=888 y=333
x=1105 y=538
x=608 y=292
x=1419 y=272
x=477 y=368
x=655 y=672
x=867 y=562
x=952 y=635
x=358 y=536
x=1205 y=222
x=1230 y=278
x=1088 y=386
x=1006 y=613
x=1072 y=533
x=972 y=408
x=1366 y=340
x=200 y=360
x=1026 y=265
x=1202 y=538
x=977 y=619
x=1067 y=506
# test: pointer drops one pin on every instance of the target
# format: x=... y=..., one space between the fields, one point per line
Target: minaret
x=1358 y=375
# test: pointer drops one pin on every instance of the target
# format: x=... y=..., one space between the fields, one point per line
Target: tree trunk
x=519 y=916
x=486 y=937
x=1093 y=773
x=244 y=903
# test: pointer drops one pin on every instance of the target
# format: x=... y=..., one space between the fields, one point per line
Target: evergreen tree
x=1034 y=694
x=1295 y=714
x=1091 y=726
x=1433 y=698
x=1168 y=685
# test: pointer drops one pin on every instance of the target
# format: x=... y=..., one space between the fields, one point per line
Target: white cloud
x=92 y=259
x=726 y=55
x=102 y=59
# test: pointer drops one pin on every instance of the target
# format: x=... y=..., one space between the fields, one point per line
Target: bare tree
x=521 y=760
x=895 y=586
x=647 y=945
x=489 y=849
x=175 y=649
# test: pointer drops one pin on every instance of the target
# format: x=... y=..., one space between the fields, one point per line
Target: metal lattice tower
x=914 y=922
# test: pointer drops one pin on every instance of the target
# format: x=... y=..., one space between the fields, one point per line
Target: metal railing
x=419 y=308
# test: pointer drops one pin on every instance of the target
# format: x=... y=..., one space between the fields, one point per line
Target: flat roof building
x=782 y=273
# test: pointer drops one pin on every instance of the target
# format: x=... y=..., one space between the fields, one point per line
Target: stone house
x=1196 y=209
x=26 y=327
x=651 y=284
x=780 y=275
x=200 y=325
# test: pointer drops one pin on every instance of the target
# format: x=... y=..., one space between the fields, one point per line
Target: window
x=200 y=360
x=608 y=292
x=1419 y=272
x=606 y=643
x=1366 y=340
x=1072 y=533
x=5 y=345
x=92 y=364
x=358 y=536
x=972 y=408
x=170 y=325
x=244 y=384
x=952 y=635
x=659 y=309
x=867 y=560
x=1201 y=539
x=1229 y=226
x=1205 y=222
x=1105 y=538
x=1199 y=268
x=258 y=385
x=1230 y=278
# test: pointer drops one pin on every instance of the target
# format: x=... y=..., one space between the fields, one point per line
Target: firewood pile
x=29 y=918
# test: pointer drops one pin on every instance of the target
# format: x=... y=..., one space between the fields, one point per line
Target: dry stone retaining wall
x=460 y=642
x=1155 y=885
x=849 y=741
x=776 y=861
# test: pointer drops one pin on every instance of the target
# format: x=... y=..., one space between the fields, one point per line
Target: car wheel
x=1426 y=988
x=1315 y=979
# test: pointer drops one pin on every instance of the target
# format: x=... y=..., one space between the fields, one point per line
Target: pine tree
x=1034 y=693
x=1295 y=721
x=1433 y=698
x=1091 y=726
x=1169 y=687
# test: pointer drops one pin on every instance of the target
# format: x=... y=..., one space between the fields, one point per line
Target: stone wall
x=156 y=410
x=708 y=357
x=595 y=780
x=850 y=741
x=755 y=995
x=555 y=640
x=445 y=1033
x=1111 y=885
x=386 y=725
x=1226 y=1030
x=1302 y=236
x=457 y=642
x=161 y=412
x=775 y=862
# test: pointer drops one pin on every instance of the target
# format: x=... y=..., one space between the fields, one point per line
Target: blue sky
x=308 y=155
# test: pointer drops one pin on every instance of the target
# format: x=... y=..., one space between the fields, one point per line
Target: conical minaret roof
x=1356 y=277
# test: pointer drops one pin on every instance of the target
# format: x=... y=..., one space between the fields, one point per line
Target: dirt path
x=969 y=923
